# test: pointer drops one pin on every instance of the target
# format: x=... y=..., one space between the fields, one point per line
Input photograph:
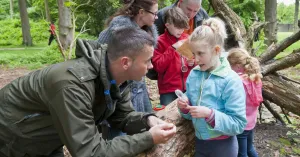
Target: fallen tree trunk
x=281 y=92
x=182 y=143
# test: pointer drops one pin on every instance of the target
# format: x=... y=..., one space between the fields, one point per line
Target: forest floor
x=271 y=138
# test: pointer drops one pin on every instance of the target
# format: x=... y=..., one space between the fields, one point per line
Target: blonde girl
x=216 y=98
x=249 y=70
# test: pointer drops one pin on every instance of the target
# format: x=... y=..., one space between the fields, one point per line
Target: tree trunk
x=296 y=16
x=271 y=19
x=283 y=93
x=47 y=10
x=65 y=25
x=25 y=23
x=11 y=9
x=182 y=143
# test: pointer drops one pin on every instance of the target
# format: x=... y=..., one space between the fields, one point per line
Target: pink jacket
x=253 y=99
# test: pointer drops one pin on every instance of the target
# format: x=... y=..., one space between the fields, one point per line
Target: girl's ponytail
x=239 y=56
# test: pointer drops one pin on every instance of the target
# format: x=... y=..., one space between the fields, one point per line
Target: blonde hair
x=213 y=31
x=250 y=64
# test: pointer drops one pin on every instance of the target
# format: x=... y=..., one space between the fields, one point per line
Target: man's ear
x=126 y=62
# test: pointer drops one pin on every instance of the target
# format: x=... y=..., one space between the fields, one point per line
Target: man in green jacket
x=63 y=103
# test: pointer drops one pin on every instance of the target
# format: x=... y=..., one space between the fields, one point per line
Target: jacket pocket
x=36 y=124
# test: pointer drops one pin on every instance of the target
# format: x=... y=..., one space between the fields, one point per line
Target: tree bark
x=282 y=93
x=27 y=40
x=292 y=59
x=47 y=10
x=66 y=34
x=270 y=17
x=275 y=49
x=182 y=143
x=296 y=28
x=235 y=27
x=11 y=9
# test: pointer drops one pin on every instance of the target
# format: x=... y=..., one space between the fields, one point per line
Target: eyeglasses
x=155 y=14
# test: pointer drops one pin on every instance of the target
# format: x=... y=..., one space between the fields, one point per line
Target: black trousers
x=51 y=38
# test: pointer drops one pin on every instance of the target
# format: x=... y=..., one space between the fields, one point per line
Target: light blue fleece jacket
x=222 y=91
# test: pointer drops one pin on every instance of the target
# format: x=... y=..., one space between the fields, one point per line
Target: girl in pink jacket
x=248 y=69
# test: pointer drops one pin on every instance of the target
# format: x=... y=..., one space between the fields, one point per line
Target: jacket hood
x=95 y=54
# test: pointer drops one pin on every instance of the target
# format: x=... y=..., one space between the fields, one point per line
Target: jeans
x=140 y=101
x=246 y=147
x=167 y=98
x=217 y=148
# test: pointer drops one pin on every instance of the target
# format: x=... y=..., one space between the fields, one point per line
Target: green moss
x=285 y=141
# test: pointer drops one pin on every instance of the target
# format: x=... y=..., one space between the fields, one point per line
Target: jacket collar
x=222 y=70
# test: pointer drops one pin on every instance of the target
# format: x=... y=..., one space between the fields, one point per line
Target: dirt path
x=270 y=139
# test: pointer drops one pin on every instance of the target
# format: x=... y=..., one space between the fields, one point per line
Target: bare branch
x=292 y=59
x=273 y=112
x=272 y=51
x=252 y=31
x=287 y=79
x=82 y=30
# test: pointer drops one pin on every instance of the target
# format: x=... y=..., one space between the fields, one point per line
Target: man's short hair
x=128 y=42
x=176 y=17
x=198 y=1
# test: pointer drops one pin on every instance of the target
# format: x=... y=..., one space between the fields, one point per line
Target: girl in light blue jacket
x=216 y=96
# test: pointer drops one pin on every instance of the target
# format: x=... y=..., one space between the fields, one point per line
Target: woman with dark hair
x=139 y=14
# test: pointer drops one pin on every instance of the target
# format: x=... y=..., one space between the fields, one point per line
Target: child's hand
x=178 y=43
x=199 y=111
x=182 y=104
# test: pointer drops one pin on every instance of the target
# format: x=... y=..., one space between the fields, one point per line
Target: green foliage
x=31 y=58
x=5 y=6
x=11 y=32
x=99 y=10
x=245 y=9
x=285 y=14
x=36 y=10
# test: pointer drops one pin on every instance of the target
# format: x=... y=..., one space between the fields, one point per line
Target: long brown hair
x=132 y=7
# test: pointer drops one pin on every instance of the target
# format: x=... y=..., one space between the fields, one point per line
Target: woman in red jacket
x=172 y=68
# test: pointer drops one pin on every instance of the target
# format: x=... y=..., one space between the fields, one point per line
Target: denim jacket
x=222 y=91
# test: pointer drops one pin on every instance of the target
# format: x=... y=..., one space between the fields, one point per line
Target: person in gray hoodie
x=139 y=14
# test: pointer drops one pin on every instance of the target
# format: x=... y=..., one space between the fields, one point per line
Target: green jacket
x=62 y=104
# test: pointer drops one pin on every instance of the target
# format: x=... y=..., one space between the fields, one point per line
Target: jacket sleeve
x=162 y=57
x=126 y=118
x=233 y=120
x=188 y=115
x=73 y=118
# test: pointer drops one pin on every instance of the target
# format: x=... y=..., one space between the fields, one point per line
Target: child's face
x=174 y=30
x=206 y=56
x=238 y=68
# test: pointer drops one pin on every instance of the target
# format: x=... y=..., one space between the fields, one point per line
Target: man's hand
x=199 y=111
x=163 y=132
x=152 y=121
